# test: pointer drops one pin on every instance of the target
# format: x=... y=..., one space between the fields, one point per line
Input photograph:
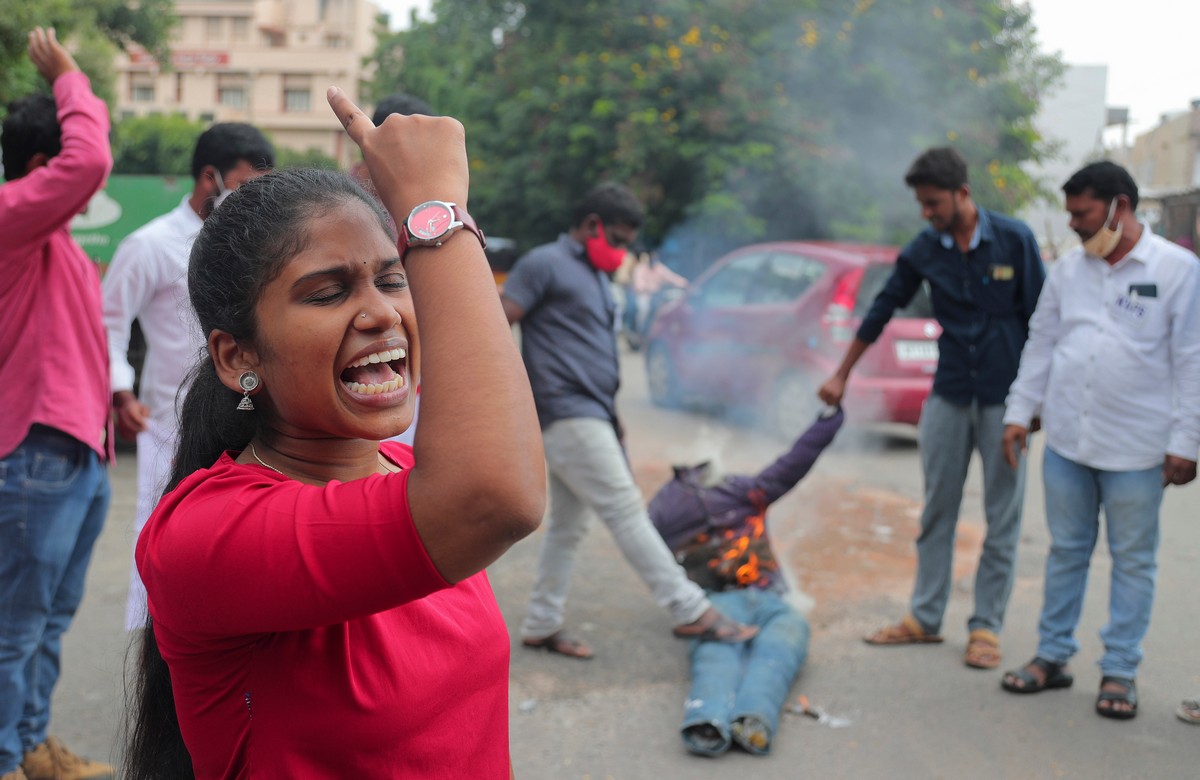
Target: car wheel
x=661 y=376
x=795 y=404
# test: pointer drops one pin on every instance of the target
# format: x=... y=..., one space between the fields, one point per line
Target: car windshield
x=874 y=277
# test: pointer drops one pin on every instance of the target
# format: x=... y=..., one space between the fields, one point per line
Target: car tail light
x=839 y=314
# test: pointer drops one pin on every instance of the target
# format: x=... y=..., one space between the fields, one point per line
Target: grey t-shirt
x=567 y=334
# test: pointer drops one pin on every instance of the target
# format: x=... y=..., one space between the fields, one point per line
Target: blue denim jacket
x=982 y=298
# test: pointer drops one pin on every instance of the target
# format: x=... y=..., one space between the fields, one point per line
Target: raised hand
x=48 y=55
x=412 y=159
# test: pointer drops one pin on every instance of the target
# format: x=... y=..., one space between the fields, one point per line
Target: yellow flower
x=994 y=167
x=659 y=22
x=604 y=56
x=1001 y=182
x=973 y=74
x=717 y=48
x=674 y=53
x=691 y=37
x=951 y=135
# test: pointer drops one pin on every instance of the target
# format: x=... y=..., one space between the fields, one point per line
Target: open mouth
x=379 y=372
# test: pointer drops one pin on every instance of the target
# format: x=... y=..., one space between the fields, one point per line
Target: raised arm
x=479 y=481
x=37 y=202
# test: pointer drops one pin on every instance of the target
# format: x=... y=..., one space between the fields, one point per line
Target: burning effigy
x=717 y=527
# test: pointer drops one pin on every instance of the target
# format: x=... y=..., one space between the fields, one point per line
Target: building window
x=241 y=28
x=213 y=28
x=143 y=93
x=232 y=97
x=207 y=117
x=297 y=99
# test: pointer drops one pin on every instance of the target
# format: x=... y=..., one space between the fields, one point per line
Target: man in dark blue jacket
x=985 y=273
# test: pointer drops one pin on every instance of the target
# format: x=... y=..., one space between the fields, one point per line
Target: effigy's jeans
x=732 y=681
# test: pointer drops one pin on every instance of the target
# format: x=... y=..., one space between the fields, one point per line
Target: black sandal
x=1054 y=676
x=1128 y=696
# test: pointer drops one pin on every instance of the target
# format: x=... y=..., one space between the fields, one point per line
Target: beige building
x=1165 y=162
x=266 y=62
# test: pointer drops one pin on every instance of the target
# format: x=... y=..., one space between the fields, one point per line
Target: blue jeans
x=751 y=679
x=1131 y=499
x=53 y=499
x=948 y=434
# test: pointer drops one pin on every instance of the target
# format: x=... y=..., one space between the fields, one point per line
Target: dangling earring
x=248 y=381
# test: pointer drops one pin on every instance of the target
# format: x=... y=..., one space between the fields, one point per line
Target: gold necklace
x=387 y=465
x=254 y=452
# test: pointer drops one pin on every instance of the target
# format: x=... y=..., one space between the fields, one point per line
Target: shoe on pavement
x=51 y=760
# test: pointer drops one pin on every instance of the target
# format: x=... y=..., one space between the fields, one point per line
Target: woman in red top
x=318 y=603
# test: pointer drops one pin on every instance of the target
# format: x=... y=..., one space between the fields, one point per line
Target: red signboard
x=185 y=60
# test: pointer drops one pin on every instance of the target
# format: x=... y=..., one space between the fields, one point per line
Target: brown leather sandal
x=907 y=632
x=561 y=643
x=983 y=649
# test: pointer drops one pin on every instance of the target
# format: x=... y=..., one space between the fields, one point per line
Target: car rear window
x=874 y=277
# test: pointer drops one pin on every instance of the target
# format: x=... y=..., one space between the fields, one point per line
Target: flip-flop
x=1127 y=696
x=1189 y=711
x=561 y=643
x=1053 y=676
x=907 y=632
x=715 y=626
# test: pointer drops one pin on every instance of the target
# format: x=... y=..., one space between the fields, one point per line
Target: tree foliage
x=735 y=120
x=93 y=29
x=158 y=145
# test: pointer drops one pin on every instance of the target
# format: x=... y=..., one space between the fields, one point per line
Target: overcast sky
x=1150 y=47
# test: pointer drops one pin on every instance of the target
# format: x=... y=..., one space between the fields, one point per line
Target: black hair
x=31 y=127
x=613 y=203
x=226 y=144
x=241 y=247
x=400 y=103
x=942 y=167
x=1105 y=179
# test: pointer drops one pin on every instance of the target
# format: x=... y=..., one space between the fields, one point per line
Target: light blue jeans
x=948 y=434
x=731 y=681
x=589 y=474
x=1131 y=500
x=54 y=495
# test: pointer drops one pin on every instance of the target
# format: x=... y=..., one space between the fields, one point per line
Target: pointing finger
x=351 y=116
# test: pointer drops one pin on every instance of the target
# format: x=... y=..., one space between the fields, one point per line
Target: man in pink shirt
x=54 y=490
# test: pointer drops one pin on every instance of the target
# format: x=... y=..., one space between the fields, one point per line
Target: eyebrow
x=339 y=270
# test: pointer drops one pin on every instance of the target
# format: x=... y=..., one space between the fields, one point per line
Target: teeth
x=385 y=356
x=374 y=389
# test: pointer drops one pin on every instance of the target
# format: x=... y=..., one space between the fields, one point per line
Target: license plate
x=909 y=351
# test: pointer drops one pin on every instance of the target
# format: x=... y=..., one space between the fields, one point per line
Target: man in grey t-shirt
x=560 y=294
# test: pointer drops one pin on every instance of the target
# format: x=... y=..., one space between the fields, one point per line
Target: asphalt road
x=846 y=532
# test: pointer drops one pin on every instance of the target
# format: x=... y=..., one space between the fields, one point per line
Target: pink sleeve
x=43 y=201
x=244 y=553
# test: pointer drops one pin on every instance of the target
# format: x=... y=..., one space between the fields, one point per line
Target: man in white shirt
x=1112 y=367
x=147 y=281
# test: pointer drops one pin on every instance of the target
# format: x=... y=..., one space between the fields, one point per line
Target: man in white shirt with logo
x=147 y=281
x=1112 y=366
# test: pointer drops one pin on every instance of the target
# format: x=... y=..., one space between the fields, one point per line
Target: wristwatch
x=434 y=221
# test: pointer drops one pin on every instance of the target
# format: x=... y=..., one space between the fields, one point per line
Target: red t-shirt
x=309 y=635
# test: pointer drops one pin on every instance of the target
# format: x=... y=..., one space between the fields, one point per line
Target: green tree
x=158 y=145
x=309 y=158
x=735 y=120
x=93 y=28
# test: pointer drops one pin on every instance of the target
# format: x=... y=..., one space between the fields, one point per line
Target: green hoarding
x=124 y=205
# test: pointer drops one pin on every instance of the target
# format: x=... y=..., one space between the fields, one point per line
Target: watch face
x=430 y=220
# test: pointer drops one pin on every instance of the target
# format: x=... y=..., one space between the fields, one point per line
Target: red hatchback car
x=765 y=325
